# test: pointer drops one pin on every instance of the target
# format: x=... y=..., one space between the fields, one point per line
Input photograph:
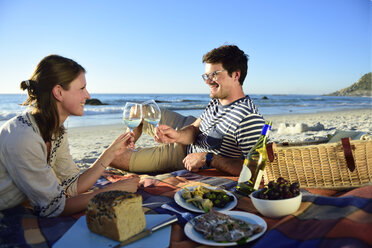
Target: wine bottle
x=256 y=159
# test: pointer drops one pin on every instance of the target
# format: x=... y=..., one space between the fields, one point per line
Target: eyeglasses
x=211 y=76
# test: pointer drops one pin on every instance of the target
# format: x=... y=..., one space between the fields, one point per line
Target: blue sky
x=147 y=46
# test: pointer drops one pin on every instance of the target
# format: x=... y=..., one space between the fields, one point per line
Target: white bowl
x=276 y=208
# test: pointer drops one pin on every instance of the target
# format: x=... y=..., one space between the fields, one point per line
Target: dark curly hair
x=231 y=58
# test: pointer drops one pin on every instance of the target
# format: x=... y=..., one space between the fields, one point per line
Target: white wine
x=133 y=123
x=152 y=121
x=256 y=158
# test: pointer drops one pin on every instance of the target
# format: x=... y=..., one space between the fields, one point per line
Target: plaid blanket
x=326 y=218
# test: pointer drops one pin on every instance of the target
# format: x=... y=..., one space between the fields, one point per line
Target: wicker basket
x=333 y=165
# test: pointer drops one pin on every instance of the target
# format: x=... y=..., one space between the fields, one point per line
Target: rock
x=361 y=88
x=264 y=98
x=94 y=101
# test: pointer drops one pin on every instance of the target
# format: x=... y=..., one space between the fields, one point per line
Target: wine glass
x=151 y=112
x=132 y=115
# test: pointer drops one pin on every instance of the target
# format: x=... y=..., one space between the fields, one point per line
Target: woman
x=36 y=166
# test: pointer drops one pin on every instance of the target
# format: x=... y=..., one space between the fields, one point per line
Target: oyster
x=220 y=227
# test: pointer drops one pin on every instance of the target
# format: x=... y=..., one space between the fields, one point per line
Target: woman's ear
x=57 y=92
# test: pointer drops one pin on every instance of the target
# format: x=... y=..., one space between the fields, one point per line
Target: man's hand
x=166 y=134
x=185 y=136
x=194 y=161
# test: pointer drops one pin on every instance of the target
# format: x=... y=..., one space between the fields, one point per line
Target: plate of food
x=210 y=228
x=202 y=198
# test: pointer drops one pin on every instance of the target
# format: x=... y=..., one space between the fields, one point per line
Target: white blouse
x=25 y=172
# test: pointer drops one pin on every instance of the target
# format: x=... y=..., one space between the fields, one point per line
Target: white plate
x=189 y=206
x=196 y=236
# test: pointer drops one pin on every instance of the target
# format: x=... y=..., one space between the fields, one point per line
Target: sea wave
x=177 y=100
x=6 y=115
x=110 y=109
x=275 y=104
x=105 y=109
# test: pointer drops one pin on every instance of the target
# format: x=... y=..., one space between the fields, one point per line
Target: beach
x=87 y=143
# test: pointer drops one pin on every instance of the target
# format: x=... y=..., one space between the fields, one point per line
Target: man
x=219 y=138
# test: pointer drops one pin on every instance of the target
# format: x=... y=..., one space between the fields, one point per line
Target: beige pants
x=165 y=157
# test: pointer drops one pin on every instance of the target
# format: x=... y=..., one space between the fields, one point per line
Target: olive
x=206 y=195
x=212 y=196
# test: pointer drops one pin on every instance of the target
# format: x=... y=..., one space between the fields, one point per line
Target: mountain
x=361 y=88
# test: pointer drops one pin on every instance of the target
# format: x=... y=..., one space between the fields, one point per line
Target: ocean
x=189 y=104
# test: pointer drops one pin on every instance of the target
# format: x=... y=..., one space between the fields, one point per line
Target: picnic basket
x=346 y=164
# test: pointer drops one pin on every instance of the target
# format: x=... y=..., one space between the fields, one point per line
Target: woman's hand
x=121 y=144
x=166 y=134
x=79 y=202
x=129 y=184
x=117 y=148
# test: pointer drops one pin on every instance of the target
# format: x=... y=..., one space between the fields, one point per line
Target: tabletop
x=326 y=218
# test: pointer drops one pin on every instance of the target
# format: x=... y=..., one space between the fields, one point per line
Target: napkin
x=79 y=235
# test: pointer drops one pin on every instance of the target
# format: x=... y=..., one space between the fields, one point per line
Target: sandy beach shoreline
x=87 y=143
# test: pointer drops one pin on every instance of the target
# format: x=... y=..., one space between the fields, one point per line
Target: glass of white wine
x=132 y=115
x=151 y=112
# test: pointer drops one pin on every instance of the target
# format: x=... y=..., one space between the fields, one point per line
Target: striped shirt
x=229 y=130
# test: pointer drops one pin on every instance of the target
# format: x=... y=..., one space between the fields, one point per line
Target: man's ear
x=57 y=92
x=237 y=75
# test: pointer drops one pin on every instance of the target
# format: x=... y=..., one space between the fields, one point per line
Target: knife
x=148 y=231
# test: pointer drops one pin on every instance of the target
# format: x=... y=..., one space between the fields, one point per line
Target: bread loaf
x=116 y=214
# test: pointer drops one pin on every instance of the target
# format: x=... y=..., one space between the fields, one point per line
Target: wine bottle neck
x=266 y=129
x=262 y=139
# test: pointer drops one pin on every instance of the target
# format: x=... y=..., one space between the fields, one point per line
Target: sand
x=87 y=143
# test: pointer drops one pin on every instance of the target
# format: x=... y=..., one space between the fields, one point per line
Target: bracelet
x=101 y=164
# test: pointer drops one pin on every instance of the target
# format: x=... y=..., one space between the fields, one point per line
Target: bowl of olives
x=277 y=199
